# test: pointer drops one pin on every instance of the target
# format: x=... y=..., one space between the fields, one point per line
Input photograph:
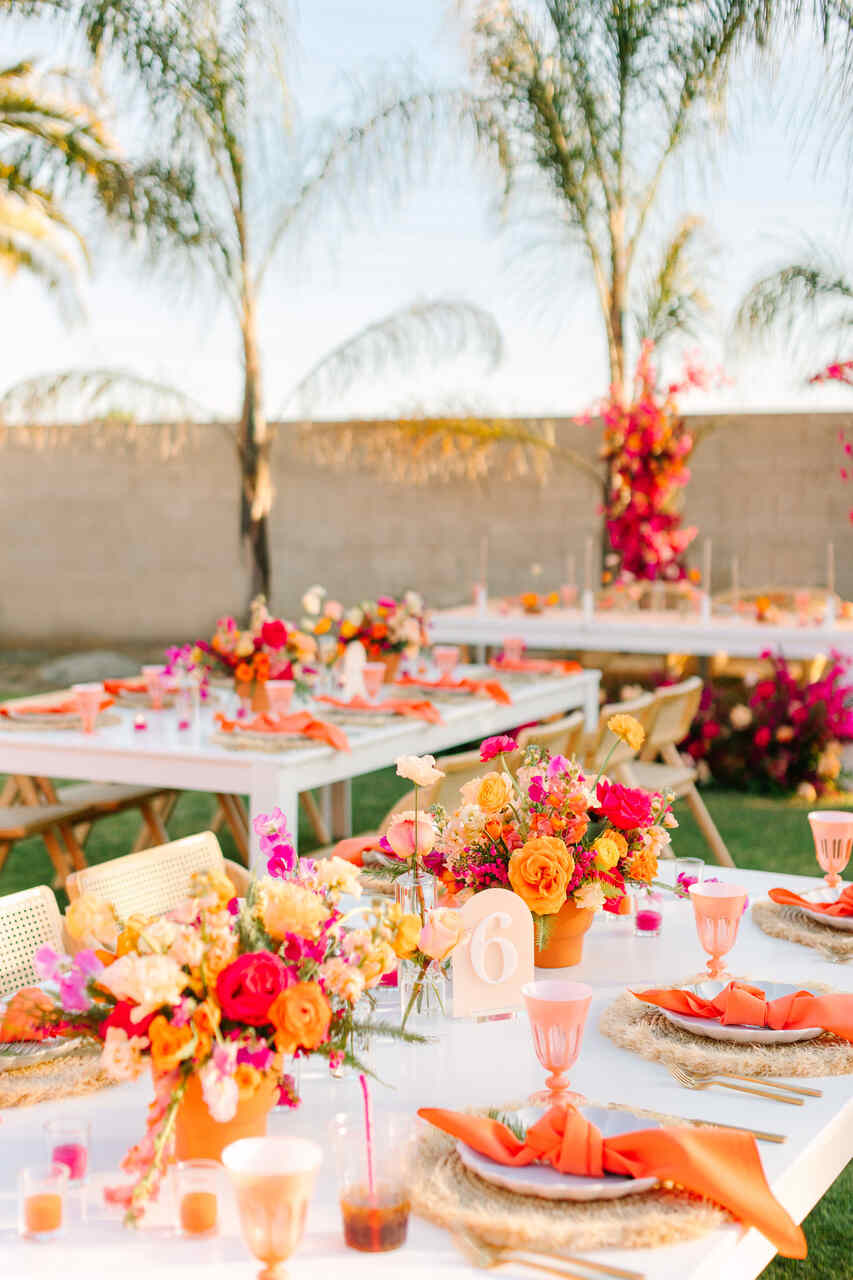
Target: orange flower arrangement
x=301 y=1015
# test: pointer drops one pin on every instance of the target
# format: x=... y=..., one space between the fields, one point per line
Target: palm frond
x=799 y=294
x=434 y=331
x=84 y=395
x=673 y=300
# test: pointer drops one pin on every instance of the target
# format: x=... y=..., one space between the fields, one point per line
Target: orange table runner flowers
x=537 y=666
x=492 y=688
x=418 y=710
x=62 y=707
x=843 y=906
x=722 y=1165
x=739 y=1004
x=301 y=722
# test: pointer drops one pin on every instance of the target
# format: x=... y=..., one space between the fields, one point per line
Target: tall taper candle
x=587 y=567
x=706 y=566
x=735 y=583
x=484 y=560
x=571 y=573
x=830 y=568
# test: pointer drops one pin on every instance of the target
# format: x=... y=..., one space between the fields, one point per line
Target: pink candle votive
x=75 y=1157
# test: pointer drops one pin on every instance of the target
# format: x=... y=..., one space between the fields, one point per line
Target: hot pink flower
x=498 y=746
x=625 y=807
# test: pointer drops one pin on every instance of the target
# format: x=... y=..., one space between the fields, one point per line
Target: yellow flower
x=628 y=729
x=609 y=848
x=285 y=907
x=406 y=938
x=494 y=792
x=322 y=625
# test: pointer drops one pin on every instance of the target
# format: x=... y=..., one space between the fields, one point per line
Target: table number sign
x=495 y=959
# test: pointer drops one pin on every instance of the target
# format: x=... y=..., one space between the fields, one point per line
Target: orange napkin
x=299 y=722
x=721 y=1164
x=396 y=706
x=739 y=1004
x=544 y=666
x=843 y=906
x=62 y=707
x=23 y=1018
x=354 y=848
x=494 y=690
x=135 y=685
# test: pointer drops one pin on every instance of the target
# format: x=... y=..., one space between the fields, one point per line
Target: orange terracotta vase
x=565 y=942
x=392 y=662
x=199 y=1137
x=254 y=694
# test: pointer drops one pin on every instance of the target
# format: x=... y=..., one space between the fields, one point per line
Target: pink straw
x=362 y=1079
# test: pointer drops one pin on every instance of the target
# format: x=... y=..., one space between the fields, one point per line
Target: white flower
x=148 y=981
x=740 y=716
x=220 y=1092
x=312 y=601
x=339 y=875
x=122 y=1055
x=420 y=770
x=589 y=896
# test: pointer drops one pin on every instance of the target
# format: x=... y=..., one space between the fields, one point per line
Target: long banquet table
x=639 y=632
x=187 y=760
x=483 y=1064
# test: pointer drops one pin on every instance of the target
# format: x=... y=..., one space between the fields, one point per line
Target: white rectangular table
x=640 y=632
x=472 y=1064
x=164 y=756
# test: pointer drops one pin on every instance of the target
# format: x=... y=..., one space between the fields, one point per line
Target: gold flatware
x=776 y=1084
x=759 y=1134
x=486 y=1257
x=692 y=1080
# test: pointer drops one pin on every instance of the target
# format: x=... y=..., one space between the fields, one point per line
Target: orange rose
x=243 y=674
x=301 y=1015
x=169 y=1044
x=262 y=666
x=643 y=866
x=540 y=871
x=247 y=1078
x=494 y=791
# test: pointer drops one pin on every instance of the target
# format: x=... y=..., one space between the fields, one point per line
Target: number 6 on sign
x=495 y=960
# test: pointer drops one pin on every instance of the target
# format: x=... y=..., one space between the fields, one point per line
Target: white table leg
x=270 y=788
x=341 y=809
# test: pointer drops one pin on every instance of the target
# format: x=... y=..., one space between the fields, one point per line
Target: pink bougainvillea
x=840 y=371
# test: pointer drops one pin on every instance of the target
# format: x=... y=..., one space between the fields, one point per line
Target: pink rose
x=248 y=986
x=624 y=807
x=444 y=930
x=406 y=836
x=274 y=634
x=498 y=746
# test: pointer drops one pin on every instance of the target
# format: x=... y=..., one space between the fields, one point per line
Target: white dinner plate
x=824 y=894
x=738 y=1034
x=548 y=1183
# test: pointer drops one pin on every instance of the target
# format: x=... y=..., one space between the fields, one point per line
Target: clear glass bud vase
x=423 y=993
x=415 y=892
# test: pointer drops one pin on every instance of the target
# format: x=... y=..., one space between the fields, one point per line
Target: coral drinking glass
x=557 y=1011
x=446 y=656
x=718 y=909
x=155 y=683
x=273 y=1179
x=373 y=674
x=513 y=648
x=280 y=693
x=833 y=838
x=87 y=699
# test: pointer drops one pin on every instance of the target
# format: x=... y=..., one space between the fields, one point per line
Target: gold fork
x=486 y=1257
x=776 y=1084
x=692 y=1080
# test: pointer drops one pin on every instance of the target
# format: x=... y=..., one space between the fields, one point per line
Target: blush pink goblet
x=446 y=656
x=155 y=683
x=279 y=693
x=87 y=699
x=273 y=1179
x=557 y=1011
x=832 y=831
x=513 y=648
x=373 y=674
x=718 y=909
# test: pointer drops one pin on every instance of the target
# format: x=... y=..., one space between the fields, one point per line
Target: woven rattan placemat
x=793 y=926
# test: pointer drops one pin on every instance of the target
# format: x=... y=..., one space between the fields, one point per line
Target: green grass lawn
x=761 y=833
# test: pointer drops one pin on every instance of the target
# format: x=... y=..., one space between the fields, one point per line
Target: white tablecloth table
x=640 y=632
x=473 y=1064
x=164 y=756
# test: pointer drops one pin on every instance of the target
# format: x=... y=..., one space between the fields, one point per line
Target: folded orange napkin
x=543 y=665
x=354 y=848
x=722 y=1165
x=741 y=1005
x=423 y=710
x=300 y=722
x=23 y=1018
x=494 y=690
x=135 y=685
x=62 y=707
x=843 y=906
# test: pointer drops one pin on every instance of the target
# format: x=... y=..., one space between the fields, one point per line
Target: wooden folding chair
x=601 y=745
x=562 y=737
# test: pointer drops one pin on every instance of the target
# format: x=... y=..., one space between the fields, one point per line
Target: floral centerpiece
x=387 y=627
x=219 y=995
x=564 y=842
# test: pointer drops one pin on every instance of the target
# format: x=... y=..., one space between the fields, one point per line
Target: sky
x=760 y=198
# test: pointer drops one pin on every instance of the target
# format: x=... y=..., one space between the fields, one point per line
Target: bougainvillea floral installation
x=781 y=735
x=646 y=448
x=841 y=371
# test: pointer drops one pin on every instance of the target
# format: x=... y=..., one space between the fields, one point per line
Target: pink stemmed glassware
x=273 y=1180
x=446 y=656
x=513 y=648
x=155 y=683
x=833 y=839
x=373 y=674
x=718 y=909
x=87 y=699
x=557 y=1011
x=279 y=693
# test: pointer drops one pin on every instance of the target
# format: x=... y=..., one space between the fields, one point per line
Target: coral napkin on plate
x=843 y=906
x=422 y=710
x=740 y=1005
x=492 y=688
x=301 y=722
x=722 y=1165
x=62 y=707
x=135 y=684
x=543 y=666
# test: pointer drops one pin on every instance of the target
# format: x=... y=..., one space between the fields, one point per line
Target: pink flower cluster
x=276 y=842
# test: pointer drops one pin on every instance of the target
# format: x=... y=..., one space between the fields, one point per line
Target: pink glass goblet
x=373 y=674
x=557 y=1011
x=833 y=838
x=513 y=648
x=446 y=657
x=273 y=1179
x=718 y=909
x=155 y=683
x=87 y=699
x=279 y=693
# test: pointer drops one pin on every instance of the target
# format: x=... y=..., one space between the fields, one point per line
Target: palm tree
x=214 y=75
x=809 y=302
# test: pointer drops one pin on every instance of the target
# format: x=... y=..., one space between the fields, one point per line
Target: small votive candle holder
x=197 y=1190
x=68 y=1144
x=648 y=916
x=41 y=1201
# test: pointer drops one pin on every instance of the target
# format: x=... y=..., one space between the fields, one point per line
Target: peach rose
x=493 y=792
x=301 y=1015
x=540 y=871
x=443 y=930
x=407 y=835
x=91 y=921
x=169 y=1044
x=420 y=770
x=122 y=1056
x=285 y=907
